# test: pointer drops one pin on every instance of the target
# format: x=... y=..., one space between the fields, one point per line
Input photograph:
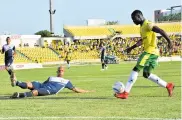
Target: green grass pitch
x=146 y=99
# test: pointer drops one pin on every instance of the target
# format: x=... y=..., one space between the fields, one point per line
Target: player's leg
x=9 y=68
x=13 y=79
x=68 y=63
x=29 y=85
x=22 y=95
x=8 y=65
x=23 y=85
x=38 y=89
x=105 y=64
x=147 y=74
x=131 y=80
x=102 y=63
x=26 y=85
x=142 y=60
x=35 y=92
x=134 y=74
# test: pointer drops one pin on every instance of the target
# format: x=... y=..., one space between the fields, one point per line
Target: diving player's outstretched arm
x=70 y=86
x=78 y=90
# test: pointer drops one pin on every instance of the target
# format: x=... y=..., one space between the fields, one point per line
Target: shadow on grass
x=78 y=98
x=151 y=86
x=7 y=96
x=4 y=97
x=56 y=97
x=74 y=98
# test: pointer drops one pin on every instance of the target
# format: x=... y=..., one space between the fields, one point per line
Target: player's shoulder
x=4 y=45
x=63 y=79
x=148 y=23
x=52 y=77
x=60 y=78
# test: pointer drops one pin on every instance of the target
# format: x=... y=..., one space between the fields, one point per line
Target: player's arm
x=78 y=90
x=14 y=51
x=99 y=53
x=2 y=51
x=139 y=43
x=163 y=34
x=74 y=89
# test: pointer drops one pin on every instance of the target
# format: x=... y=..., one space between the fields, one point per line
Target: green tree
x=173 y=17
x=44 y=33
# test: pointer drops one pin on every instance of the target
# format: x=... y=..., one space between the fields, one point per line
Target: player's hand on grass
x=91 y=91
x=78 y=90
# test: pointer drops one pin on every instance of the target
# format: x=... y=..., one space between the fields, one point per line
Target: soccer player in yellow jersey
x=68 y=58
x=148 y=59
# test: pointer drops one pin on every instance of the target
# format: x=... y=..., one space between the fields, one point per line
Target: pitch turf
x=146 y=100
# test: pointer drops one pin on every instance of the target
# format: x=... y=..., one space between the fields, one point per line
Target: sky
x=29 y=16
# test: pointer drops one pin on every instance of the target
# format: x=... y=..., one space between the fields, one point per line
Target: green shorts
x=147 y=60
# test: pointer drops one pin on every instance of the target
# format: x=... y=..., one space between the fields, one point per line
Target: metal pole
x=173 y=8
x=52 y=12
x=171 y=12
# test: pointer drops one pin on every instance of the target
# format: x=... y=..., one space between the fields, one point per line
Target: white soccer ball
x=118 y=87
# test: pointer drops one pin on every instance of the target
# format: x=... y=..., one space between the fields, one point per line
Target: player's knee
x=146 y=74
x=136 y=69
x=29 y=85
x=35 y=92
x=43 y=92
x=6 y=67
x=9 y=67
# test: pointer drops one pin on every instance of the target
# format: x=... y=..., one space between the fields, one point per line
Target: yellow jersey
x=68 y=56
x=149 y=39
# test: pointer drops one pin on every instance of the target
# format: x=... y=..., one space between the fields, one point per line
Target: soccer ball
x=118 y=87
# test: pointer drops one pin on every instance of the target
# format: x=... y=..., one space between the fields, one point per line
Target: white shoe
x=106 y=67
x=102 y=69
x=15 y=95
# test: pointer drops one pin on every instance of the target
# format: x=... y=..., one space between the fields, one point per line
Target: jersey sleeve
x=69 y=85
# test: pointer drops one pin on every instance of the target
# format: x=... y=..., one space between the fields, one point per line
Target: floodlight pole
x=52 y=12
x=172 y=8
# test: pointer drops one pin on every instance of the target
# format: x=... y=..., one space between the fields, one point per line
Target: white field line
x=82 y=117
